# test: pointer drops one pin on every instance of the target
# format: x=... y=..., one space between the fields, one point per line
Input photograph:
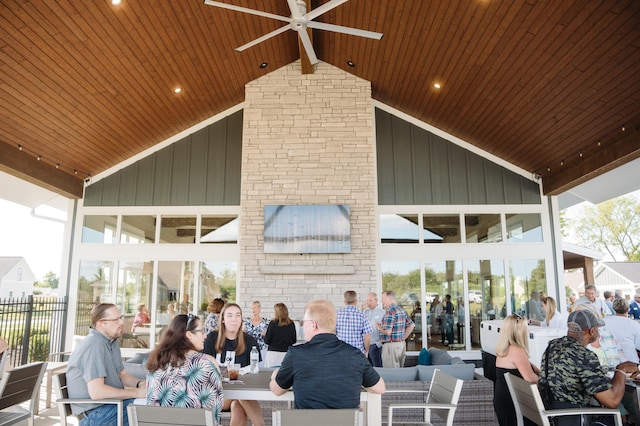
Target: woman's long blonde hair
x=514 y=331
x=550 y=308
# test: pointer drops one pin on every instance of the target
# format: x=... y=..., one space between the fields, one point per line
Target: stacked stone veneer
x=307 y=139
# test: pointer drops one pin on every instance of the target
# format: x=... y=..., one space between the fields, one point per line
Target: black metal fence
x=33 y=327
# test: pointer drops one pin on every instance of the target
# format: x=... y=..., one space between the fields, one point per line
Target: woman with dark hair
x=231 y=338
x=179 y=374
x=281 y=334
x=214 y=308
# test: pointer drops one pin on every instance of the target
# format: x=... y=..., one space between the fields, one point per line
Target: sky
x=39 y=241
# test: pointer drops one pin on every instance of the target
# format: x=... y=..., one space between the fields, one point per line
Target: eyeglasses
x=302 y=321
x=198 y=330
x=518 y=317
x=120 y=318
x=190 y=318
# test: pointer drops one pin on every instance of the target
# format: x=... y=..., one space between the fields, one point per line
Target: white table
x=256 y=387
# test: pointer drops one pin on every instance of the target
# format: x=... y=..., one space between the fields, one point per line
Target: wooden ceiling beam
x=577 y=172
x=39 y=173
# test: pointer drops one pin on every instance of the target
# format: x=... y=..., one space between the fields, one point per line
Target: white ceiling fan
x=299 y=21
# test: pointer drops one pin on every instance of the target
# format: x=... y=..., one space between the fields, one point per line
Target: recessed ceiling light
x=437 y=86
x=177 y=90
x=115 y=2
x=263 y=65
x=351 y=64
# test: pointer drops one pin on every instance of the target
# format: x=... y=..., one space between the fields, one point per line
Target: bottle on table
x=254 y=357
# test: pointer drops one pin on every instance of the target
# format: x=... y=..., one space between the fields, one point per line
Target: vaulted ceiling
x=552 y=86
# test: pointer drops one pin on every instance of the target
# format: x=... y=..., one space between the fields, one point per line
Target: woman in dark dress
x=281 y=334
x=512 y=356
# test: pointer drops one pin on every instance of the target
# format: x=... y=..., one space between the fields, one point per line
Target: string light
x=58 y=166
x=580 y=154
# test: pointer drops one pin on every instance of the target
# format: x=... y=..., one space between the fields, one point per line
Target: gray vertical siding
x=201 y=169
x=416 y=167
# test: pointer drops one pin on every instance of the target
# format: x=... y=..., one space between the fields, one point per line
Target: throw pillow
x=439 y=357
x=424 y=358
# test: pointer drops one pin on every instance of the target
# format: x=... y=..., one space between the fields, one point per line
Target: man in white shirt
x=624 y=329
x=375 y=314
x=590 y=298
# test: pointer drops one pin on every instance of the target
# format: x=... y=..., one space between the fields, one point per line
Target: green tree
x=612 y=226
x=51 y=279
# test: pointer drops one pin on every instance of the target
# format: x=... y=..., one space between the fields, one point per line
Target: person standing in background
x=624 y=329
x=375 y=314
x=256 y=325
x=590 y=297
x=352 y=325
x=608 y=300
x=634 y=307
x=395 y=328
x=280 y=336
x=213 y=319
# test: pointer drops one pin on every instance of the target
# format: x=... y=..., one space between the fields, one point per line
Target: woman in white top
x=553 y=317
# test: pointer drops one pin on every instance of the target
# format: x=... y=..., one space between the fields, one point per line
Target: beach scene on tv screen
x=307 y=228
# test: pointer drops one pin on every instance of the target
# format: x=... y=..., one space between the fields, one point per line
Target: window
x=99 y=229
x=138 y=230
x=396 y=228
x=441 y=229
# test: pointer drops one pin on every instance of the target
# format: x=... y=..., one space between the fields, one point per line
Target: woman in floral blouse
x=179 y=374
x=256 y=325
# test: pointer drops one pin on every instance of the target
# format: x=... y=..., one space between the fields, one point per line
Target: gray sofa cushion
x=398 y=374
x=439 y=357
x=459 y=371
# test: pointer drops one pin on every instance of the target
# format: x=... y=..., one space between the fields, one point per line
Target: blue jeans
x=375 y=355
x=107 y=415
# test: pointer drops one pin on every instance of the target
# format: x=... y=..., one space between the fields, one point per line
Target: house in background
x=618 y=275
x=16 y=277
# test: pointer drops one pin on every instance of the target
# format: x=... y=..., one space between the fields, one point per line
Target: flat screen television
x=307 y=229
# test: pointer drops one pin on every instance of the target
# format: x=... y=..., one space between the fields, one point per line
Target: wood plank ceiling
x=545 y=85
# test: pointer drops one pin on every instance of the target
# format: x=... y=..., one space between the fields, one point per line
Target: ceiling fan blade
x=344 y=30
x=263 y=38
x=295 y=12
x=246 y=10
x=324 y=8
x=308 y=47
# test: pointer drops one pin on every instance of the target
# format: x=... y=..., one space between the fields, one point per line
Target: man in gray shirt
x=95 y=370
x=375 y=314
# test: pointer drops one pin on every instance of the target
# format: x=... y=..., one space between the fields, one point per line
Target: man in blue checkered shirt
x=352 y=325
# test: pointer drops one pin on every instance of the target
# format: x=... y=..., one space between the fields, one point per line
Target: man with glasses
x=325 y=372
x=95 y=370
